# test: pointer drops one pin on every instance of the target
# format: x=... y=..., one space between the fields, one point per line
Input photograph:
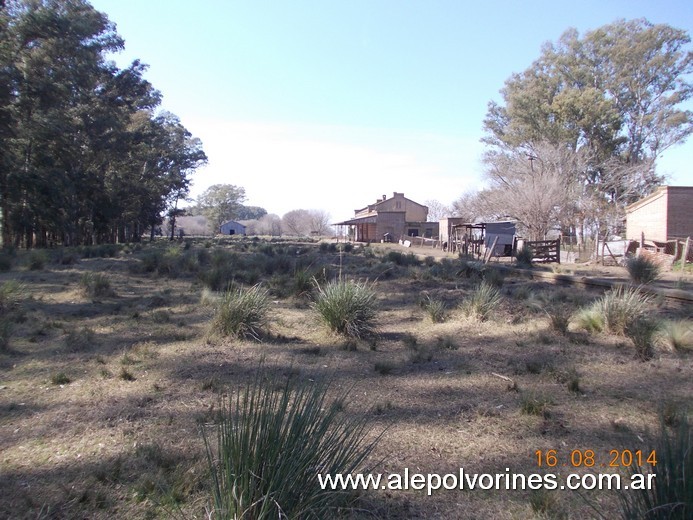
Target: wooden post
x=493 y=247
x=642 y=243
x=684 y=255
x=558 y=250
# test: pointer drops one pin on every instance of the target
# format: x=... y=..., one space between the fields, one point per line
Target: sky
x=330 y=104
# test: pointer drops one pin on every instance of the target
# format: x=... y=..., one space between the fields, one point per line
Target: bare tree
x=536 y=186
x=466 y=207
x=436 y=210
x=319 y=222
x=270 y=225
x=296 y=222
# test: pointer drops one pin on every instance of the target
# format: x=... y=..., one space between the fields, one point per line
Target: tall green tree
x=220 y=203
x=84 y=157
x=614 y=95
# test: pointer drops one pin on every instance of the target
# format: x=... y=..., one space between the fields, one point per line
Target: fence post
x=558 y=250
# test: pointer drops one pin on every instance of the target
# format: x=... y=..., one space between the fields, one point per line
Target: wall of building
x=445 y=228
x=227 y=227
x=680 y=212
x=649 y=217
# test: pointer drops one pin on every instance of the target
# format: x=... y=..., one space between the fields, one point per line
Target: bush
x=5 y=262
x=483 y=300
x=524 y=257
x=242 y=313
x=671 y=496
x=347 y=307
x=37 y=260
x=270 y=445
x=642 y=270
x=399 y=258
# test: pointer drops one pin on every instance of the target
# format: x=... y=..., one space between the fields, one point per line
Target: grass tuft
x=482 y=301
x=435 y=309
x=96 y=285
x=642 y=331
x=642 y=270
x=677 y=335
x=271 y=443
x=671 y=496
x=347 y=307
x=242 y=313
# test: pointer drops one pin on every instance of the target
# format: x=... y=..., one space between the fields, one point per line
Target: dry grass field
x=108 y=368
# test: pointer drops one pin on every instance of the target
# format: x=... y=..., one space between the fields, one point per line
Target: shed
x=663 y=215
x=232 y=227
x=471 y=236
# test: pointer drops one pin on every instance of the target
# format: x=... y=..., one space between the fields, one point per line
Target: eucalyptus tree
x=84 y=156
x=614 y=96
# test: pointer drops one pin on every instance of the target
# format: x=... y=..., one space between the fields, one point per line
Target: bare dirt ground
x=118 y=437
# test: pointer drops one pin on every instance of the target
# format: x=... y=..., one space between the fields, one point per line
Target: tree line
x=85 y=157
x=577 y=135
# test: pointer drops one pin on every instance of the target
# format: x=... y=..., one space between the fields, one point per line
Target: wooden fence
x=545 y=251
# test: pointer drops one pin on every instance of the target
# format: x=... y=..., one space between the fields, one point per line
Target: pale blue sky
x=331 y=104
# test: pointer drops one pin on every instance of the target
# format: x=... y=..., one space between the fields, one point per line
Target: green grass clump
x=671 y=496
x=96 y=285
x=642 y=331
x=615 y=310
x=10 y=292
x=535 y=403
x=347 y=307
x=559 y=317
x=642 y=270
x=268 y=445
x=242 y=313
x=60 y=379
x=677 y=335
x=482 y=301
x=435 y=309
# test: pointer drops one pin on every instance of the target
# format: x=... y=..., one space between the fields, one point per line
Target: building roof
x=659 y=192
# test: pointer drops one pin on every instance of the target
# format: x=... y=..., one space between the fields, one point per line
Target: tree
x=270 y=224
x=436 y=210
x=251 y=213
x=220 y=203
x=536 y=189
x=84 y=158
x=613 y=96
x=319 y=222
x=296 y=222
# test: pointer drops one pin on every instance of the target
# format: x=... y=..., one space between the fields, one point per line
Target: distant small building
x=665 y=214
x=232 y=227
x=395 y=218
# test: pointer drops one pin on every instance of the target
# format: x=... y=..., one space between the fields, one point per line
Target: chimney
x=384 y=197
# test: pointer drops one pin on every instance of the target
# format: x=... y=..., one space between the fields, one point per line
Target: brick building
x=665 y=214
x=396 y=218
